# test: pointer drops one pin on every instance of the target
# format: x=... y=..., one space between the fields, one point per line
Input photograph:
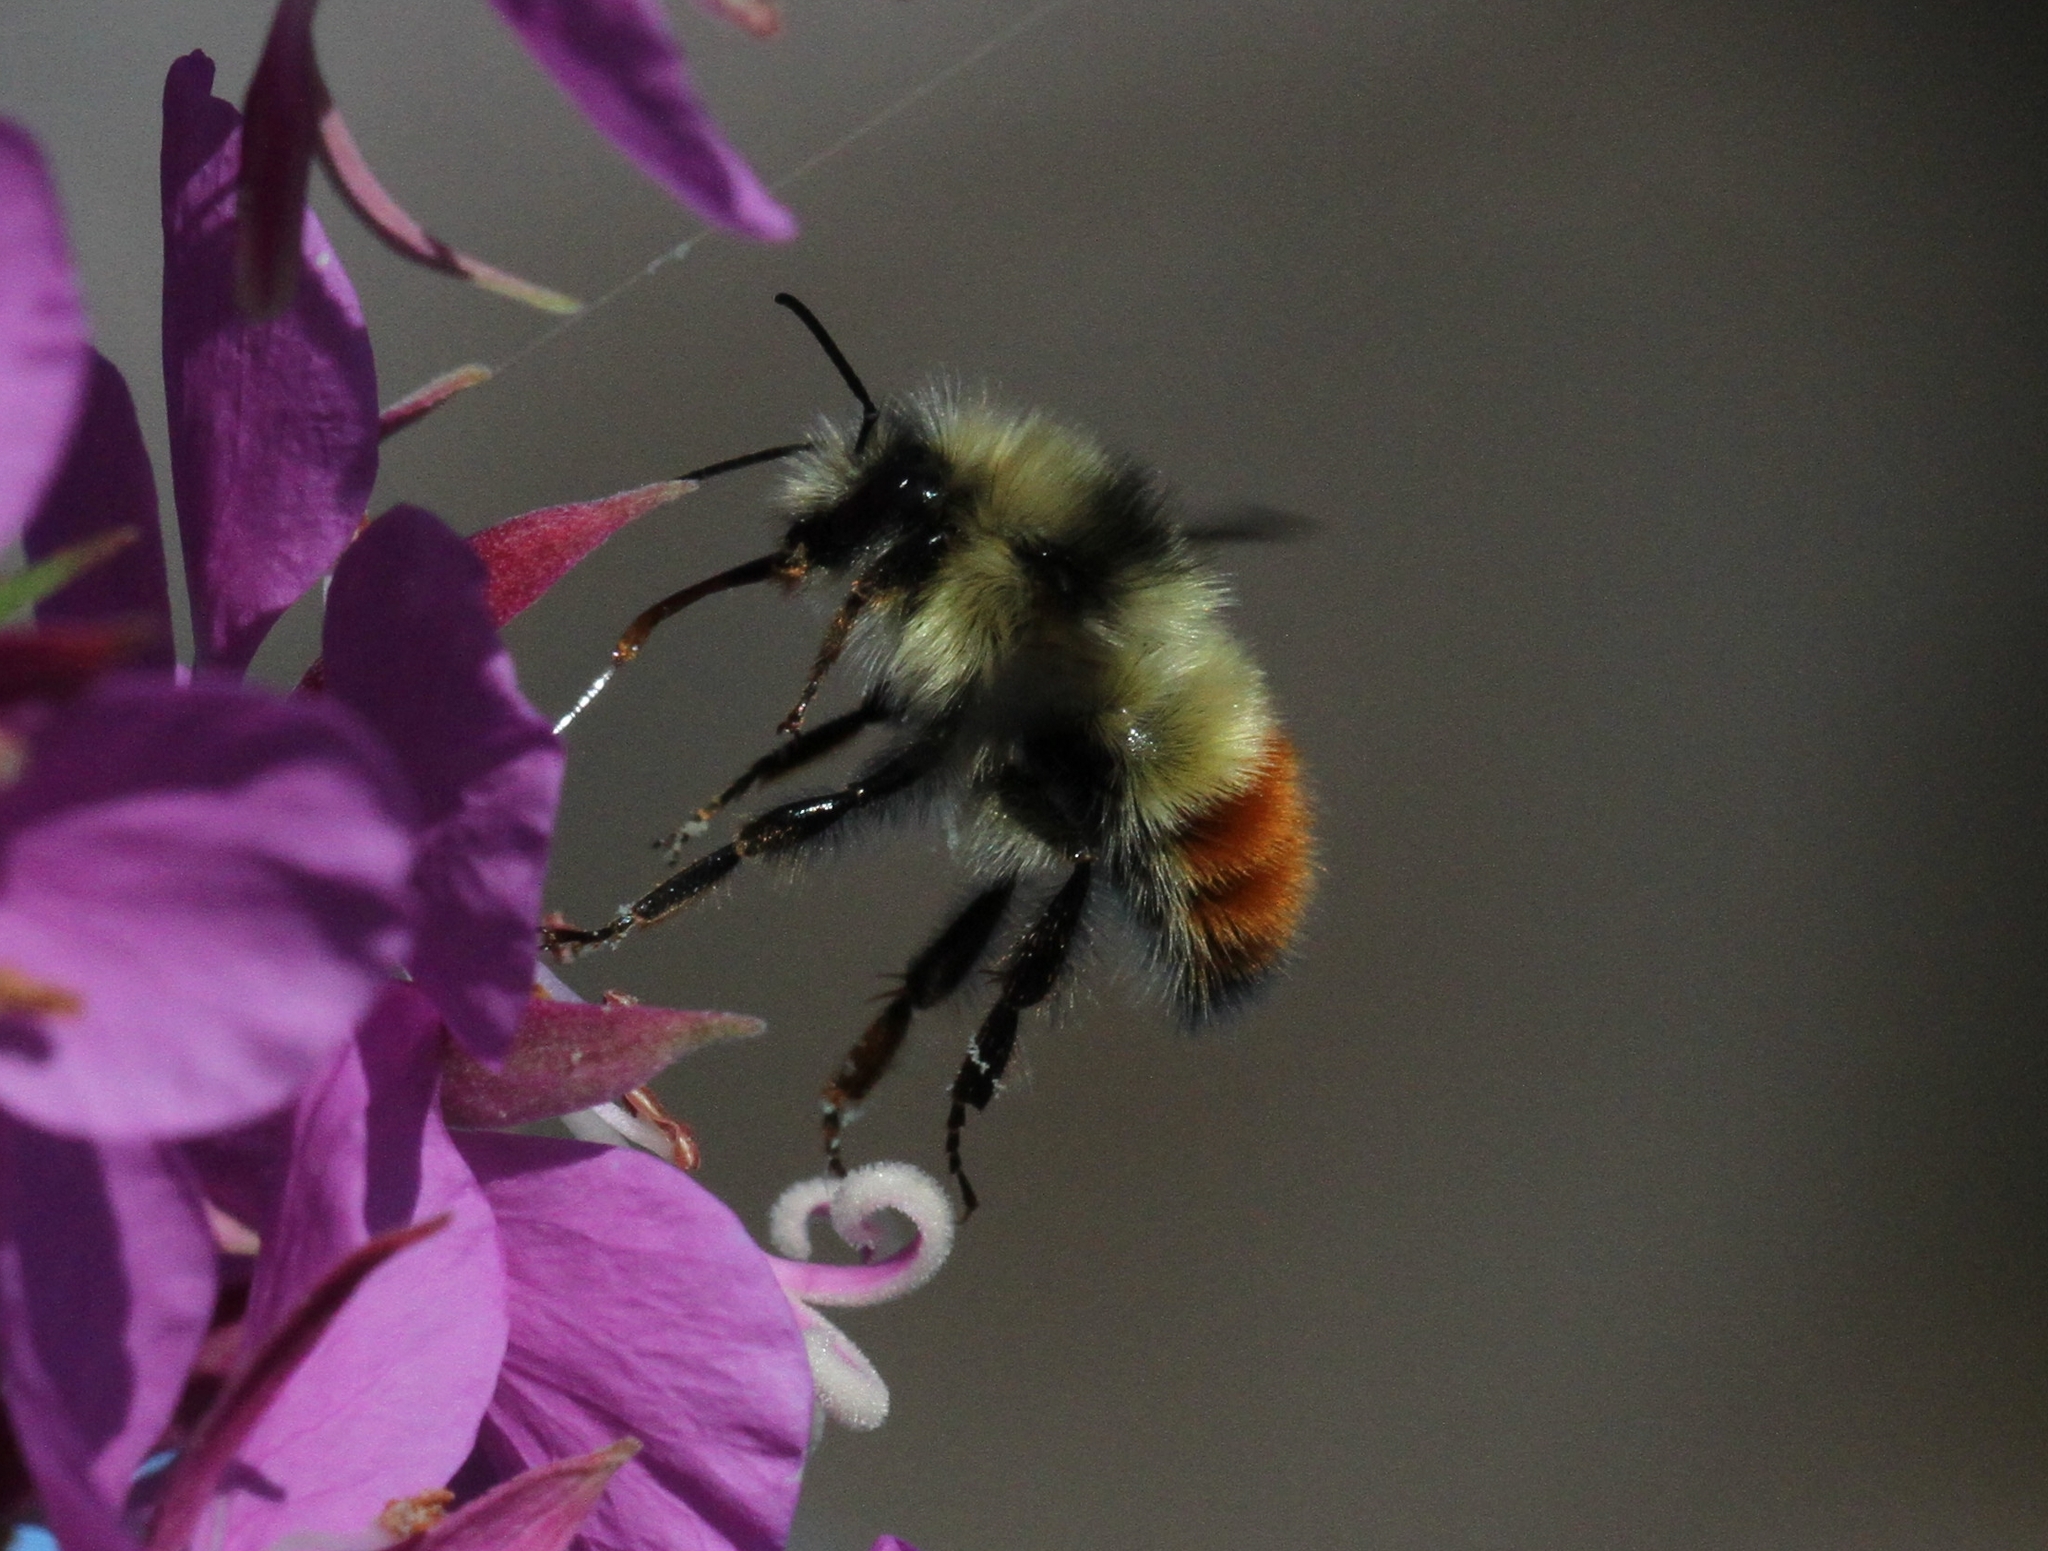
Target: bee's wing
x=1251 y=525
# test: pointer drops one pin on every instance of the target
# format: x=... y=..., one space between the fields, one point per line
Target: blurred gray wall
x=1649 y=1149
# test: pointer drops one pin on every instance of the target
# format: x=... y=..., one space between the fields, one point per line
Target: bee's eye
x=922 y=490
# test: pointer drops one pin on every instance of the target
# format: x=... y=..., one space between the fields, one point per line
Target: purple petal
x=387 y=1405
x=568 y=1056
x=540 y=1510
x=254 y=1389
x=106 y=483
x=273 y=424
x=106 y=1287
x=43 y=331
x=617 y=61
x=218 y=880
x=891 y=1543
x=408 y=643
x=612 y=1252
x=281 y=121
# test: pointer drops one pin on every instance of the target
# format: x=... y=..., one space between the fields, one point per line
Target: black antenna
x=868 y=413
x=726 y=466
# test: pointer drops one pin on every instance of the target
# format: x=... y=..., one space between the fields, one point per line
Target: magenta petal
x=409 y=645
x=540 y=1510
x=105 y=482
x=619 y=63
x=280 y=128
x=640 y=1306
x=106 y=1287
x=387 y=1405
x=273 y=424
x=43 y=330
x=528 y=554
x=257 y=1383
x=217 y=879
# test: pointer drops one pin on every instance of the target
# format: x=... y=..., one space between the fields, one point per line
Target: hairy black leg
x=805 y=747
x=1027 y=979
x=779 y=829
x=932 y=977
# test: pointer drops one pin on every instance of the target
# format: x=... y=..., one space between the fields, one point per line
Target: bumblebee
x=1046 y=654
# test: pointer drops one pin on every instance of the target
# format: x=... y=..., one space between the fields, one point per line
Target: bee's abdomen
x=1247 y=865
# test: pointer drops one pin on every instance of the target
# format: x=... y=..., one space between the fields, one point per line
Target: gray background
x=1648 y=1150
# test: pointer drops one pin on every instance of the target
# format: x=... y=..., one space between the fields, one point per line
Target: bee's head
x=879 y=511
x=883 y=502
x=869 y=502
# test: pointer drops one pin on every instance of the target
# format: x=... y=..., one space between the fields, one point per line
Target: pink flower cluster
x=258 y=953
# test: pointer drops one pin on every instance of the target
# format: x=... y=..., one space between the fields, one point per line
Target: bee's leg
x=813 y=744
x=932 y=976
x=766 y=568
x=1028 y=978
x=830 y=650
x=779 y=829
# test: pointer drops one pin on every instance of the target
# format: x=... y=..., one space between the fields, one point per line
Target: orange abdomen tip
x=1250 y=865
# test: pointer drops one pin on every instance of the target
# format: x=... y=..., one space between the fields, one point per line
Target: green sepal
x=25 y=589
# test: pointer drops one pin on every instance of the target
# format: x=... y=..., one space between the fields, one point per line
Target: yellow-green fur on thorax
x=1146 y=664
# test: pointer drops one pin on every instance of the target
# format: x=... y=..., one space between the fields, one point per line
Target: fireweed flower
x=634 y=1304
x=208 y=887
x=162 y=841
x=273 y=424
x=211 y=888
x=375 y=1324
x=43 y=349
x=486 y=1342
x=622 y=1297
x=204 y=889
x=274 y=431
x=408 y=645
x=616 y=60
x=483 y=1335
x=385 y=1405
x=847 y=1388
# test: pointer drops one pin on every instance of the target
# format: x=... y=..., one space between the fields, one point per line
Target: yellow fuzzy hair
x=1178 y=700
